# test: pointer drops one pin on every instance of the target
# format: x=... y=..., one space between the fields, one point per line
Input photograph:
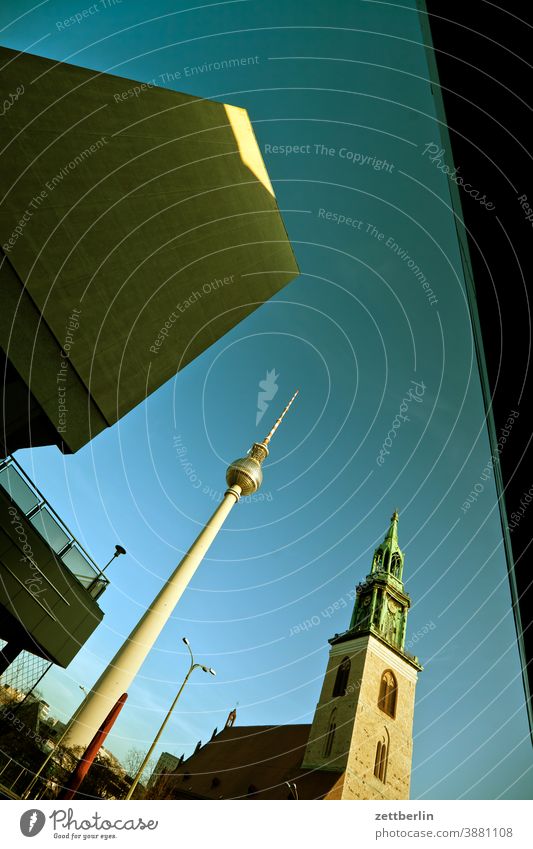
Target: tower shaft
x=121 y=671
x=243 y=476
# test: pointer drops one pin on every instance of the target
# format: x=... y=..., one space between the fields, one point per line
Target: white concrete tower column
x=244 y=476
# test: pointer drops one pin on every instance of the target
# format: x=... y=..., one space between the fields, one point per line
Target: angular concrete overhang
x=138 y=225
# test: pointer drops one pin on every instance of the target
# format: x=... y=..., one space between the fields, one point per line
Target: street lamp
x=118 y=551
x=67 y=728
x=192 y=667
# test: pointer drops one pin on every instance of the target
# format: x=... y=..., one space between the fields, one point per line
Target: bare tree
x=133 y=761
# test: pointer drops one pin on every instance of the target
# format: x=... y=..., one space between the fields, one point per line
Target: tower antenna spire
x=243 y=477
x=267 y=439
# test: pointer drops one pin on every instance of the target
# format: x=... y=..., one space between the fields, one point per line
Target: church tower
x=362 y=726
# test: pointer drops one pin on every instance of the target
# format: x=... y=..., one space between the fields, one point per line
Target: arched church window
x=396 y=564
x=386 y=562
x=388 y=692
x=380 y=763
x=328 y=745
x=378 y=556
x=341 y=681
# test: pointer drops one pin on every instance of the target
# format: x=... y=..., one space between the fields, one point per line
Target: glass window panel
x=18 y=489
x=55 y=536
x=80 y=567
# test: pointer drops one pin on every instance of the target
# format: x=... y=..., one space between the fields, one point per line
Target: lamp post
x=244 y=476
x=142 y=767
x=119 y=549
x=66 y=730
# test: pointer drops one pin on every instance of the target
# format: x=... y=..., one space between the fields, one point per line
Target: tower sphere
x=247 y=472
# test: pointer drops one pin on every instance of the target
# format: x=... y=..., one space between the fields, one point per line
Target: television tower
x=243 y=477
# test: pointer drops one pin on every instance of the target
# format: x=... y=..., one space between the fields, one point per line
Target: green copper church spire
x=388 y=557
x=392 y=533
x=381 y=605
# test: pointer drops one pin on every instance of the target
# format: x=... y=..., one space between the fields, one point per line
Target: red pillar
x=92 y=750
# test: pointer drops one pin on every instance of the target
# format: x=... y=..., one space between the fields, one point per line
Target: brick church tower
x=362 y=726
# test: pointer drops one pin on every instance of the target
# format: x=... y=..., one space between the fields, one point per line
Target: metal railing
x=51 y=528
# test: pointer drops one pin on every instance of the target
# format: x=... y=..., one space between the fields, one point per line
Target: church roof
x=249 y=761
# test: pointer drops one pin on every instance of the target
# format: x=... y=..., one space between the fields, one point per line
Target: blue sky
x=346 y=82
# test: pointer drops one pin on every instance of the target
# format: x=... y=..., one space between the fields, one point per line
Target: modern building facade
x=359 y=745
x=138 y=225
x=481 y=84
